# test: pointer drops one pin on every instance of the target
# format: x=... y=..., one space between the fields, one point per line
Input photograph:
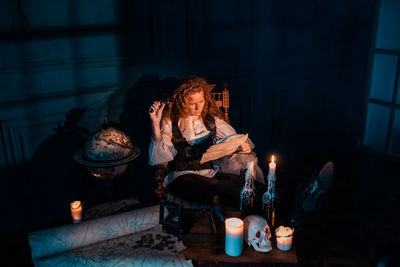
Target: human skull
x=257 y=233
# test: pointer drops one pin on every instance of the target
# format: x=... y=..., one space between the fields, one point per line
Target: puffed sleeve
x=162 y=151
x=223 y=128
x=226 y=132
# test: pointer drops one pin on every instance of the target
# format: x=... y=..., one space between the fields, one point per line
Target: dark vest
x=189 y=156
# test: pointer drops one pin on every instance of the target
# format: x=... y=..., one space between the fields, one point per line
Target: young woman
x=183 y=129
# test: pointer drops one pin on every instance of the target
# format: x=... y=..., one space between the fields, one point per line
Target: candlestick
x=270 y=196
x=247 y=193
x=233 y=236
x=76 y=211
x=284 y=238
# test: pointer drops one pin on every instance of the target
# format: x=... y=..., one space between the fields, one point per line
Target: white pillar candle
x=233 y=236
x=284 y=238
x=76 y=211
x=272 y=165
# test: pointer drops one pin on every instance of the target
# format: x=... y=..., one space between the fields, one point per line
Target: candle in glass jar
x=284 y=238
x=76 y=211
x=233 y=236
x=272 y=165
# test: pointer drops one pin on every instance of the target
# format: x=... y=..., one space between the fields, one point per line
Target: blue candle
x=233 y=236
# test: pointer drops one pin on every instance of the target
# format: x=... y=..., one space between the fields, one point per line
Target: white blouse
x=195 y=132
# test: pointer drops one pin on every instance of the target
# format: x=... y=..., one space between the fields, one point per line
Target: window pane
x=383 y=77
x=388 y=35
x=398 y=91
x=377 y=125
x=395 y=138
x=62 y=14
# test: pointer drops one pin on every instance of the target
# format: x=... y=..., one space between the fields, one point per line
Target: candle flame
x=272 y=159
x=75 y=204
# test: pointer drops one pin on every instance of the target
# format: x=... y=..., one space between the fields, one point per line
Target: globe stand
x=107 y=155
x=113 y=184
x=105 y=197
x=124 y=181
x=113 y=189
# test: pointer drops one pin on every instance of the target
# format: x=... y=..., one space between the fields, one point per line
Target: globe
x=106 y=153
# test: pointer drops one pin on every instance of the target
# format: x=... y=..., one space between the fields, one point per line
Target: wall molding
x=134 y=45
x=33 y=99
x=98 y=62
x=22 y=134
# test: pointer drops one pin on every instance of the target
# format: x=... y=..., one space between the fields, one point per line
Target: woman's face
x=195 y=103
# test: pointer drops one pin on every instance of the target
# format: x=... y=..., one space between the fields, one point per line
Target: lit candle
x=76 y=211
x=284 y=238
x=233 y=236
x=272 y=165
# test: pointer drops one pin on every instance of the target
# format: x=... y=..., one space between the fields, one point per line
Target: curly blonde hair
x=189 y=85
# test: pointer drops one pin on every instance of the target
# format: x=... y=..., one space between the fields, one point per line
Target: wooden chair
x=168 y=202
x=222 y=100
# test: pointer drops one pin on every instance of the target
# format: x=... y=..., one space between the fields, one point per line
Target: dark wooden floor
x=356 y=226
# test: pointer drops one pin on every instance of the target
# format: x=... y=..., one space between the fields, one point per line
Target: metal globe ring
x=82 y=160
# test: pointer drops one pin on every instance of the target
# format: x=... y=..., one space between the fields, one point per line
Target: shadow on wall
x=134 y=121
x=54 y=157
x=41 y=190
x=57 y=179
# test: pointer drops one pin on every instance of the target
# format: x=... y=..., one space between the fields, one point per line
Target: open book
x=223 y=149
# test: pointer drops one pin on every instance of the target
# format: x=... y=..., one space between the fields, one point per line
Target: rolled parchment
x=60 y=239
x=223 y=149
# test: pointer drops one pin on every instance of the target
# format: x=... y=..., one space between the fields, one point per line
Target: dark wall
x=296 y=71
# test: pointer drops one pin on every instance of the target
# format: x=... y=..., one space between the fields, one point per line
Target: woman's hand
x=245 y=148
x=155 y=112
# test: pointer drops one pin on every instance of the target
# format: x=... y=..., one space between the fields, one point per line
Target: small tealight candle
x=76 y=211
x=272 y=165
x=284 y=238
x=233 y=236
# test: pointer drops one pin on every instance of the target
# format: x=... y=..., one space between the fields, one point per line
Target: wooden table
x=200 y=248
